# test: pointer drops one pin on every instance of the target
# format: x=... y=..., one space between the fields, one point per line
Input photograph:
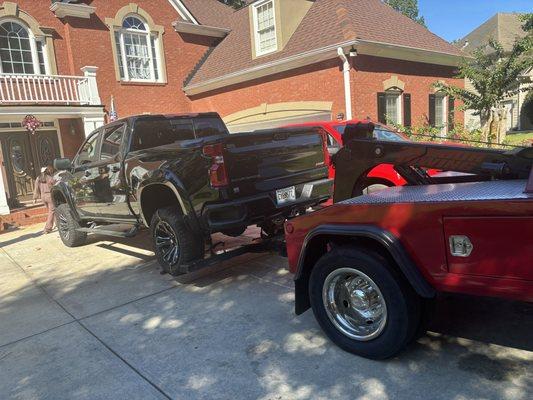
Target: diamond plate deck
x=471 y=191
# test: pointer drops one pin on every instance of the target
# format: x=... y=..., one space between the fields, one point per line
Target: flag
x=113 y=116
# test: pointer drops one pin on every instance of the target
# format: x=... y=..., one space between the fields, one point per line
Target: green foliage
x=234 y=3
x=494 y=75
x=527 y=107
x=408 y=8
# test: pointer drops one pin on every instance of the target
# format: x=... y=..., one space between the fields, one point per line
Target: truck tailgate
x=262 y=161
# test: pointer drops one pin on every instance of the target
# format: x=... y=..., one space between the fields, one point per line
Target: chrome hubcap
x=166 y=242
x=354 y=304
x=63 y=226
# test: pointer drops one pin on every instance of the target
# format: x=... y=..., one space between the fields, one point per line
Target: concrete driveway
x=101 y=322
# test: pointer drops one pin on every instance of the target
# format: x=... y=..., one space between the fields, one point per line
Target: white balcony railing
x=49 y=89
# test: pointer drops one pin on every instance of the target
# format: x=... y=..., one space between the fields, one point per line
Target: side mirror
x=62 y=164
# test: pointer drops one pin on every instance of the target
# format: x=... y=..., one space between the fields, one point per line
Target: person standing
x=43 y=186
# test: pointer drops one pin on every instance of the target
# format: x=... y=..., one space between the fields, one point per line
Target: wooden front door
x=24 y=155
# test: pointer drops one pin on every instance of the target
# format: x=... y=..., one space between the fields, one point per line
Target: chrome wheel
x=374 y=188
x=354 y=304
x=166 y=242
x=63 y=227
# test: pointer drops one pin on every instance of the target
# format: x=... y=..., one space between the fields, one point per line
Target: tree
x=408 y=8
x=494 y=75
x=234 y=3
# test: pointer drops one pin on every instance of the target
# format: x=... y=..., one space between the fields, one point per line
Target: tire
x=67 y=227
x=370 y=185
x=184 y=245
x=396 y=306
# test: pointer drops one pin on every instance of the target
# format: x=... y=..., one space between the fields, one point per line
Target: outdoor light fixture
x=353 y=52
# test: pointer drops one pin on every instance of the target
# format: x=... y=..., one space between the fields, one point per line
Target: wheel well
x=318 y=246
x=155 y=197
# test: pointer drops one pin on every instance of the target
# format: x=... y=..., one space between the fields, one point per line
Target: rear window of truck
x=149 y=133
x=209 y=127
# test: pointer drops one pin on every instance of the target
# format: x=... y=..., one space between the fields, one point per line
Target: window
x=20 y=52
x=154 y=132
x=438 y=111
x=137 y=51
x=380 y=133
x=111 y=141
x=88 y=151
x=392 y=108
x=209 y=127
x=265 y=28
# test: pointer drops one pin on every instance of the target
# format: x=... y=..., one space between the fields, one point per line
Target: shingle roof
x=502 y=27
x=210 y=12
x=327 y=22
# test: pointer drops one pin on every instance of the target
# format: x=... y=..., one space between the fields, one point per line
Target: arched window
x=20 y=53
x=137 y=51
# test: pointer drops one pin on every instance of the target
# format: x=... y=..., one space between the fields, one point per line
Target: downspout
x=347 y=84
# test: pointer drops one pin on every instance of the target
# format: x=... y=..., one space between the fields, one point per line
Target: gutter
x=367 y=47
x=269 y=68
x=347 y=85
x=202 y=30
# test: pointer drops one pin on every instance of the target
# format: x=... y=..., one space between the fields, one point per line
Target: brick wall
x=79 y=42
x=324 y=82
x=369 y=72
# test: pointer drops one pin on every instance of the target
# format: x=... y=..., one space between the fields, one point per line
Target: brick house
x=270 y=63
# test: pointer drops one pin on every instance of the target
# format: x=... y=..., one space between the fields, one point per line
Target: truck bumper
x=258 y=208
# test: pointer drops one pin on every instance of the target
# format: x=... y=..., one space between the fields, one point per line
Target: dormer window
x=264 y=27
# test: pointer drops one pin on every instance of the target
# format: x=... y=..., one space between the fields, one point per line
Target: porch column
x=4 y=208
x=92 y=123
x=90 y=73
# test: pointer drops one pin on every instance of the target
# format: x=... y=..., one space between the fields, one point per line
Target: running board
x=275 y=244
x=109 y=232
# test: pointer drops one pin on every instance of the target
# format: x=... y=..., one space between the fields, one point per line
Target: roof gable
x=327 y=23
x=502 y=27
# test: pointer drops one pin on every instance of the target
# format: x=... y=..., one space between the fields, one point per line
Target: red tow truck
x=371 y=266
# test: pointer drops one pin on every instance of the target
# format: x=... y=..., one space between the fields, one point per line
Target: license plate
x=285 y=195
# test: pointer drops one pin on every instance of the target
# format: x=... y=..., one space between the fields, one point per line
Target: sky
x=454 y=19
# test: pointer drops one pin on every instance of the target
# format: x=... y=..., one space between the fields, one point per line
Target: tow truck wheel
x=174 y=242
x=370 y=185
x=362 y=304
x=67 y=227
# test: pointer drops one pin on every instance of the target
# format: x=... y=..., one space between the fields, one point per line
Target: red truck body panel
x=423 y=218
x=384 y=171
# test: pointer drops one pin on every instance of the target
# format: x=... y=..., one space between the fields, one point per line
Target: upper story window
x=20 y=52
x=264 y=28
x=137 y=51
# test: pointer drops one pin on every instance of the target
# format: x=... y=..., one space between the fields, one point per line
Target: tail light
x=218 y=175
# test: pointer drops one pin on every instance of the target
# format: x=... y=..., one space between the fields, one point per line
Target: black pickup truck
x=185 y=177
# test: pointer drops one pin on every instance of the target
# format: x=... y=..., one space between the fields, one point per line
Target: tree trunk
x=485 y=119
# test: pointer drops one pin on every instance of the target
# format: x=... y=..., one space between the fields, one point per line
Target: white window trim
x=149 y=38
x=399 y=105
x=33 y=47
x=255 y=7
x=444 y=127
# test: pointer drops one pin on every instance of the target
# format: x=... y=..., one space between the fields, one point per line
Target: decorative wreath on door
x=31 y=123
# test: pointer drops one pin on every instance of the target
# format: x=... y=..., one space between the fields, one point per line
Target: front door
x=24 y=155
x=19 y=165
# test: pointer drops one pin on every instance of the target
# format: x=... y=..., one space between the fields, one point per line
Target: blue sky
x=453 y=19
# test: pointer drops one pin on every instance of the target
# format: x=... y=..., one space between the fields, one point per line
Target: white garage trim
x=274 y=115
